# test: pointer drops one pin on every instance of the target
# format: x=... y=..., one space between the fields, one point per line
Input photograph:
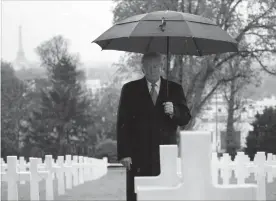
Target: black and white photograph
x=138 y=100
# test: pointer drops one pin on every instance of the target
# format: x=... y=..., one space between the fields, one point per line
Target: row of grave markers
x=191 y=177
x=194 y=176
x=242 y=167
x=69 y=173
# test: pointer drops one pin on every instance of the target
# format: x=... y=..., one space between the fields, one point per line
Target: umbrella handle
x=168 y=63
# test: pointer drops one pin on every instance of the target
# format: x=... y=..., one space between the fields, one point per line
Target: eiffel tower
x=20 y=61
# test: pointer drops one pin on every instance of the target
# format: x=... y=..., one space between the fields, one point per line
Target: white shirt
x=157 y=86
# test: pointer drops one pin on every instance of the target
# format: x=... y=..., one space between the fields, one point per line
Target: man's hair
x=150 y=55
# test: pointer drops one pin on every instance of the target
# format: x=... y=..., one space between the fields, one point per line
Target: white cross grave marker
x=168 y=163
x=196 y=173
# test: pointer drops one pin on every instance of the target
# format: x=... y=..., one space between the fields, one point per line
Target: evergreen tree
x=63 y=115
x=13 y=109
x=263 y=137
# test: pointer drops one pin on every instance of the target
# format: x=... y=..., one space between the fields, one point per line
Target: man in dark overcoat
x=147 y=118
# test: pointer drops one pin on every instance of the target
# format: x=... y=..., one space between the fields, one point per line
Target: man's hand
x=168 y=108
x=126 y=162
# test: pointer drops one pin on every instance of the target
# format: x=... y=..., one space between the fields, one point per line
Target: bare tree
x=254 y=32
x=242 y=73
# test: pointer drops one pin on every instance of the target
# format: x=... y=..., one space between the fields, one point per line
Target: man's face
x=152 y=68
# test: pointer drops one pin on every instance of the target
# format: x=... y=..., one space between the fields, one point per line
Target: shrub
x=263 y=137
x=107 y=148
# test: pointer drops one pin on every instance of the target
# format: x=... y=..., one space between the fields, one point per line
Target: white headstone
x=196 y=173
x=168 y=175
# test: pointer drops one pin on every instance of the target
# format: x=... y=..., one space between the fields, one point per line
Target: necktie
x=153 y=93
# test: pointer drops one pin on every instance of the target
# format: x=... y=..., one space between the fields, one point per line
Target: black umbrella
x=167 y=32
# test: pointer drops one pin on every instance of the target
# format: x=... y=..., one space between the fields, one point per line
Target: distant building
x=254 y=107
x=94 y=85
x=214 y=118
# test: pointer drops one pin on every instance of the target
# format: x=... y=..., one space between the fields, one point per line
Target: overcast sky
x=79 y=21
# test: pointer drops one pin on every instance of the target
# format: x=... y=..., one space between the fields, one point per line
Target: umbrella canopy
x=167 y=31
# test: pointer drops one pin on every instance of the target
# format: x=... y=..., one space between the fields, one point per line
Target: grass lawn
x=109 y=187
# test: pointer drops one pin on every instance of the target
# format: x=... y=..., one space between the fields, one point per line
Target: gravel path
x=109 y=187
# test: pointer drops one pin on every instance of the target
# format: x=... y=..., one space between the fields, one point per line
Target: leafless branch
x=224 y=80
x=191 y=89
x=232 y=10
x=232 y=55
x=226 y=25
x=265 y=67
x=190 y=6
x=182 y=8
x=265 y=26
x=236 y=119
x=252 y=23
x=260 y=35
x=237 y=104
x=225 y=96
x=197 y=6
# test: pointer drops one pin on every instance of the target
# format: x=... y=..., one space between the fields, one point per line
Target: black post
x=168 y=64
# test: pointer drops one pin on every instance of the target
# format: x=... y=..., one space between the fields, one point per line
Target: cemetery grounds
x=109 y=187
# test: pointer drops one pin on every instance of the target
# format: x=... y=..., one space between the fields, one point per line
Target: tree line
x=56 y=115
x=59 y=115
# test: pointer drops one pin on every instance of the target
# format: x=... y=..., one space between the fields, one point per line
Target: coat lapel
x=145 y=92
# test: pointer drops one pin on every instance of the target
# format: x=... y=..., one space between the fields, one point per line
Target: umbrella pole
x=168 y=64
